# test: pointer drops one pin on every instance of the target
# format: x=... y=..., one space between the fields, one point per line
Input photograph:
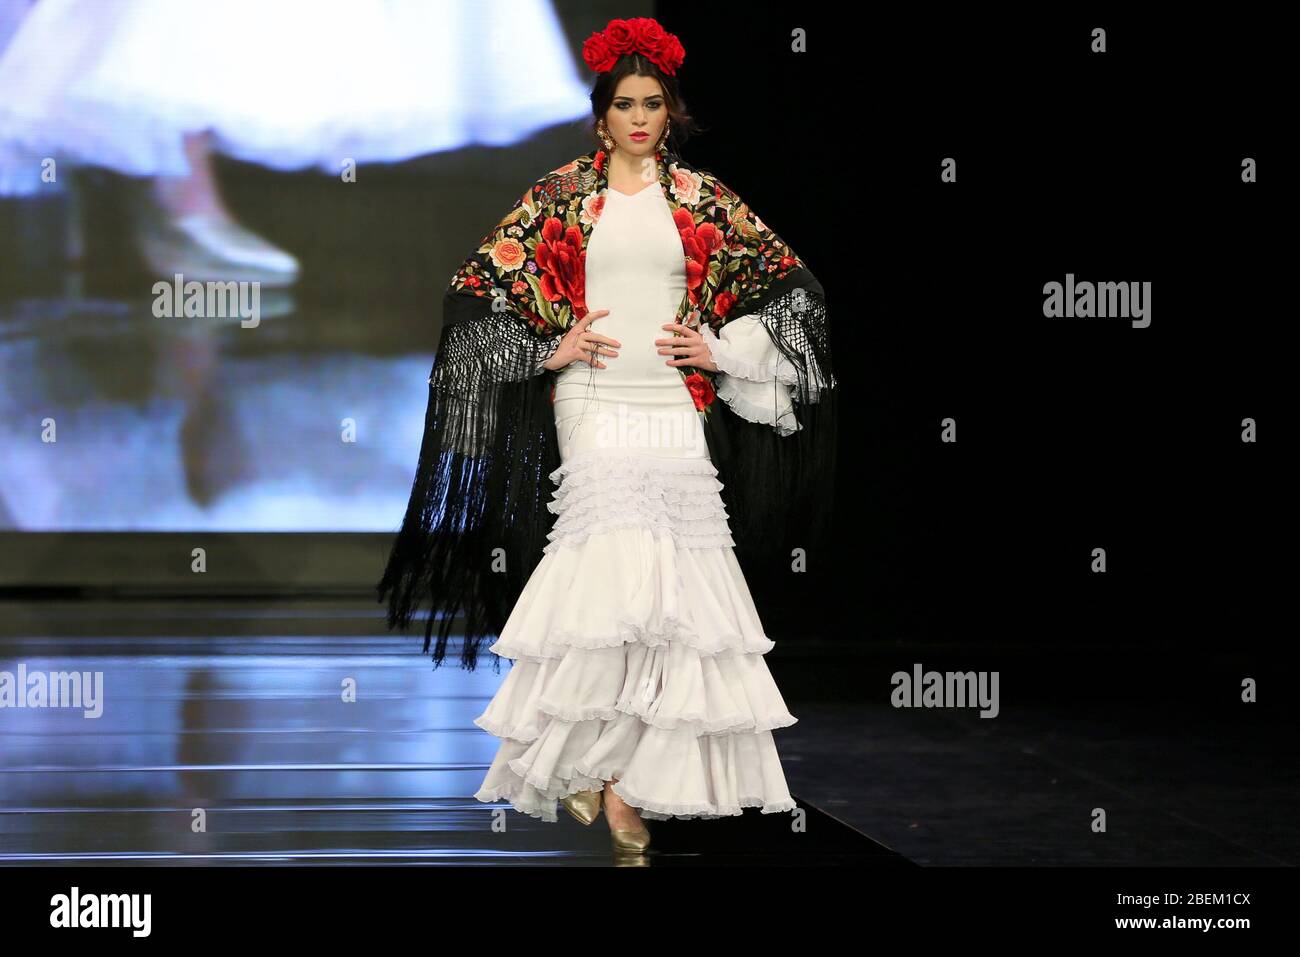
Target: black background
x=1073 y=434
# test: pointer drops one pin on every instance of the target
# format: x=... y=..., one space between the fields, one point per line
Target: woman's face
x=638 y=108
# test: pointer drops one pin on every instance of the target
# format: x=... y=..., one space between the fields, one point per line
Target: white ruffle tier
x=638 y=653
x=619 y=488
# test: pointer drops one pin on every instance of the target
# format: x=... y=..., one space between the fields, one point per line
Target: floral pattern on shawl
x=534 y=259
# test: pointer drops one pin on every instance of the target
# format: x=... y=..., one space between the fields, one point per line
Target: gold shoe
x=584 y=805
x=630 y=839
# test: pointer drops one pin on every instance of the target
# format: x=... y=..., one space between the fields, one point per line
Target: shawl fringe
x=477 y=520
x=779 y=489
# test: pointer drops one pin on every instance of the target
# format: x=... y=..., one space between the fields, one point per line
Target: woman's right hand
x=581 y=344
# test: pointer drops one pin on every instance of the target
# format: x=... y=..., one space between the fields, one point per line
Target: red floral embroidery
x=723 y=302
x=537 y=251
x=562 y=260
x=698 y=243
x=701 y=391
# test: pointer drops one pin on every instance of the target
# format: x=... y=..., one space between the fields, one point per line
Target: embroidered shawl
x=477 y=519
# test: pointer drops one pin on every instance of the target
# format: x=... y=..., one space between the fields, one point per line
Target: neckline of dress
x=643 y=189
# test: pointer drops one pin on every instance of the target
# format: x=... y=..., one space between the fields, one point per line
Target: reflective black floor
x=282 y=734
x=228 y=735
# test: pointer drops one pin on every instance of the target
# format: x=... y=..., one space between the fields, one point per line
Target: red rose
x=649 y=34
x=723 y=302
x=597 y=53
x=710 y=238
x=562 y=260
x=695 y=273
x=621 y=36
x=698 y=244
x=675 y=55
x=671 y=56
x=652 y=40
x=701 y=390
x=691 y=247
x=660 y=46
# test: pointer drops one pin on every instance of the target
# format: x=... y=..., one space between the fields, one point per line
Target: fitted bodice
x=635 y=268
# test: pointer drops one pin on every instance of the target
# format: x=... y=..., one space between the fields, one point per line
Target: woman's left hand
x=689 y=348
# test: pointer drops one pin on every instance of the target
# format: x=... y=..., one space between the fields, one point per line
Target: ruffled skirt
x=637 y=653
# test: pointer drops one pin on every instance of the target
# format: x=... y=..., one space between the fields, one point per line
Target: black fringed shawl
x=477 y=519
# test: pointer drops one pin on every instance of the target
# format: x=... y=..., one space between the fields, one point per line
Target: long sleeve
x=757 y=379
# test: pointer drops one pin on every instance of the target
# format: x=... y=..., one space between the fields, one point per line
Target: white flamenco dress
x=637 y=652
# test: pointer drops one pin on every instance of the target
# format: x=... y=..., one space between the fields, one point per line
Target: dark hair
x=680 y=123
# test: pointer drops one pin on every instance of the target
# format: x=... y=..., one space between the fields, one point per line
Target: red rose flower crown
x=641 y=35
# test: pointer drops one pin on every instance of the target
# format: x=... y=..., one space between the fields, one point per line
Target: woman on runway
x=634 y=334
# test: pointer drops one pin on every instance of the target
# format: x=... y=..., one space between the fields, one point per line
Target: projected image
x=225 y=230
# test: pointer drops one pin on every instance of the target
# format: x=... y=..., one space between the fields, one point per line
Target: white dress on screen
x=637 y=652
x=288 y=84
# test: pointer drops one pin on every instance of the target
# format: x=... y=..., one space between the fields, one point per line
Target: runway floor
x=225 y=738
x=233 y=714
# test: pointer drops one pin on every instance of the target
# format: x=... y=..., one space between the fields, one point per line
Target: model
x=634 y=334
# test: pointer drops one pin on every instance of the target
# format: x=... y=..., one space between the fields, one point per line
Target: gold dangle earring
x=663 y=140
x=603 y=132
